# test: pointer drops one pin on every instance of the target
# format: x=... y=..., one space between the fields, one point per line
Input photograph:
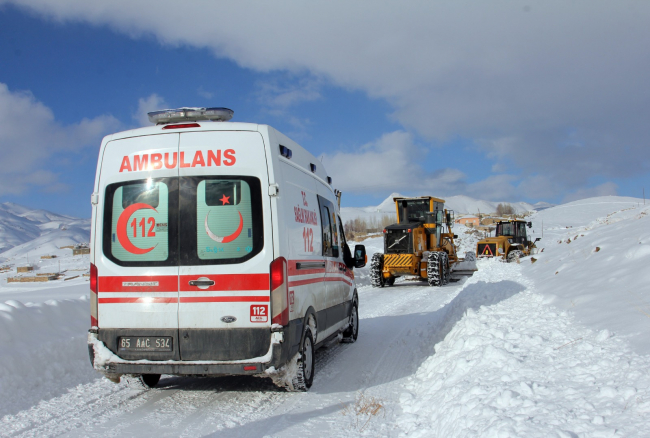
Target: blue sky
x=502 y=104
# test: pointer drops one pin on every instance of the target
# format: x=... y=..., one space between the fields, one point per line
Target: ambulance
x=217 y=248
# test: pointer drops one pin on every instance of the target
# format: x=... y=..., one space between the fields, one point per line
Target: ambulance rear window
x=140 y=222
x=227 y=217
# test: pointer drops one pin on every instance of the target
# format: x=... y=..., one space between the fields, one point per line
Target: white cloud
x=146 y=105
x=388 y=164
x=205 y=94
x=32 y=142
x=564 y=83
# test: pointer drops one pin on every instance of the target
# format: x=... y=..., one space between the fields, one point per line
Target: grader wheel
x=376 y=270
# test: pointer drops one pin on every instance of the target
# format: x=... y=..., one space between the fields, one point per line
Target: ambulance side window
x=140 y=227
x=328 y=224
x=327 y=231
x=335 y=234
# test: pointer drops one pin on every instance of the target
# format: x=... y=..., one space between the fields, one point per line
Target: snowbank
x=44 y=351
x=523 y=368
x=595 y=263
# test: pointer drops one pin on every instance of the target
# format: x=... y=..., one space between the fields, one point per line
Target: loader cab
x=515 y=230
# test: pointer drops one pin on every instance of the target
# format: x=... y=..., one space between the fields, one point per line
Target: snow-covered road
x=397 y=331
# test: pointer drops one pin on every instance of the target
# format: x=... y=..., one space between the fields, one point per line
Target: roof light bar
x=190 y=114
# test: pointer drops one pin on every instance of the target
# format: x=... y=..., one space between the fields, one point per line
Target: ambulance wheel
x=352 y=332
x=142 y=381
x=377 y=270
x=305 y=373
x=389 y=281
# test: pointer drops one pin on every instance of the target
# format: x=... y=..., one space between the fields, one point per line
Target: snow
x=24 y=231
x=523 y=368
x=558 y=347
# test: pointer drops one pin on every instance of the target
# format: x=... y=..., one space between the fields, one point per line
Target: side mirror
x=538 y=239
x=455 y=236
x=530 y=224
x=360 y=256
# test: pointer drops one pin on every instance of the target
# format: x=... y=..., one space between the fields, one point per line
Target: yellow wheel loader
x=418 y=245
x=510 y=241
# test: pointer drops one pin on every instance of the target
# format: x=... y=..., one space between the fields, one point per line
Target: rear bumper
x=108 y=363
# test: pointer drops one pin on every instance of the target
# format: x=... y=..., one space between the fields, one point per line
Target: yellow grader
x=417 y=245
x=510 y=241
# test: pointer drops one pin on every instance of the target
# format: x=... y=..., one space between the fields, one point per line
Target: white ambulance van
x=217 y=249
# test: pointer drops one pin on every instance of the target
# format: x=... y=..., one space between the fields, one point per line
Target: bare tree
x=504 y=209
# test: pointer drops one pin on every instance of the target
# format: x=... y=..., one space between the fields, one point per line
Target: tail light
x=279 y=292
x=182 y=126
x=93 y=295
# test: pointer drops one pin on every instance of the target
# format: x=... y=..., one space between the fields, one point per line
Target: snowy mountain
x=38 y=232
x=459 y=204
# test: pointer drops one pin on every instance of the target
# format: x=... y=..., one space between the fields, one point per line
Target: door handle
x=201 y=283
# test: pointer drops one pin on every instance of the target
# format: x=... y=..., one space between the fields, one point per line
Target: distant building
x=490 y=220
x=468 y=220
x=80 y=250
x=24 y=268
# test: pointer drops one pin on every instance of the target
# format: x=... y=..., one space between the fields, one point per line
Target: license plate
x=145 y=343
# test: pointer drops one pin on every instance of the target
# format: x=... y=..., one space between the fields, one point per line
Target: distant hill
x=459 y=204
x=38 y=232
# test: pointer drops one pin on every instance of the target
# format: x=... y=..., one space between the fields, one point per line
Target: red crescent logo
x=226 y=239
x=123 y=222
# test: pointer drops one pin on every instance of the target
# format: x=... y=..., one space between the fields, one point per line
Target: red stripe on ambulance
x=226 y=282
x=239 y=299
x=317 y=280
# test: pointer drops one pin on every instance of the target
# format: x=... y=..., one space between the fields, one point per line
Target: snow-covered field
x=558 y=347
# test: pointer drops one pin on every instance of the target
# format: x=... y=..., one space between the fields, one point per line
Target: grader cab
x=419 y=245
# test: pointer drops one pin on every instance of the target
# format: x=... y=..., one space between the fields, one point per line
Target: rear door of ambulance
x=136 y=247
x=225 y=245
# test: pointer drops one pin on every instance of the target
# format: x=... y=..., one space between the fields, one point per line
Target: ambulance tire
x=433 y=269
x=142 y=381
x=377 y=270
x=352 y=332
x=304 y=376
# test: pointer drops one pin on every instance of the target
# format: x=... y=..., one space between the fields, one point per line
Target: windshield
x=416 y=210
x=506 y=229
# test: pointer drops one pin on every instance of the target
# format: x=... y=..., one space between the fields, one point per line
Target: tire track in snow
x=234 y=405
